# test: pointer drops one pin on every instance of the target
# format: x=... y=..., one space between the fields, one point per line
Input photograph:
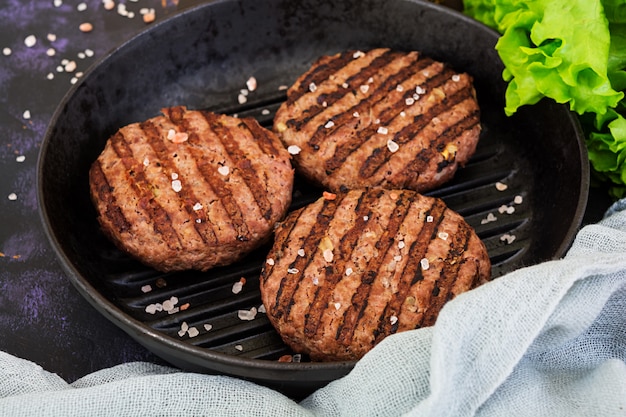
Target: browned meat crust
x=191 y=189
x=380 y=118
x=345 y=273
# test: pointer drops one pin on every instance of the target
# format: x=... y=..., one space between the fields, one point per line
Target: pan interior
x=202 y=58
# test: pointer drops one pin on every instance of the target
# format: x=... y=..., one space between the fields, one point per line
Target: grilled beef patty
x=191 y=189
x=379 y=118
x=346 y=272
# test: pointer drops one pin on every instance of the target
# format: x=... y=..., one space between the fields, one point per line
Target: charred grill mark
x=280 y=241
x=422 y=159
x=363 y=135
x=246 y=169
x=321 y=73
x=161 y=221
x=448 y=274
x=419 y=249
x=290 y=282
x=353 y=315
x=381 y=155
x=186 y=197
x=214 y=180
x=353 y=82
x=346 y=246
x=113 y=211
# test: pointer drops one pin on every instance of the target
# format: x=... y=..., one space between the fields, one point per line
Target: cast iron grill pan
x=202 y=58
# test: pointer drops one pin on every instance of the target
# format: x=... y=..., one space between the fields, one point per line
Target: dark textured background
x=42 y=317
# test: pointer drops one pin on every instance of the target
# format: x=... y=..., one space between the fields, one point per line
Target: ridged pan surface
x=524 y=191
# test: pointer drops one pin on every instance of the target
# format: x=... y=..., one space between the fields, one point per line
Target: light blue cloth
x=547 y=340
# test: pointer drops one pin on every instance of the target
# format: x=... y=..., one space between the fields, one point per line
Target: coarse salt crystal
x=442 y=235
x=241 y=98
x=507 y=238
x=89 y=52
x=74 y=80
x=265 y=112
x=146 y=161
x=424 y=264
x=329 y=124
x=26 y=114
x=108 y=4
x=392 y=146
x=12 y=197
x=239 y=348
x=393 y=320
x=177 y=185
x=294 y=149
x=70 y=66
x=399 y=88
x=197 y=207
x=174 y=176
x=193 y=332
x=409 y=101
x=364 y=88
x=349 y=271
x=57 y=3
x=355 y=114
x=270 y=261
x=293 y=270
x=337 y=306
x=419 y=90
x=244 y=91
x=429 y=219
x=85 y=27
x=81 y=7
x=366 y=218
x=247 y=315
x=223 y=170
x=6 y=51
x=510 y=210
x=456 y=78
x=518 y=199
x=490 y=218
x=383 y=130
x=301 y=252
x=149 y=16
x=151 y=309
x=207 y=326
x=502 y=209
x=358 y=54
x=328 y=255
x=345 y=85
x=312 y=87
x=30 y=41
x=401 y=244
x=20 y=158
x=51 y=52
x=237 y=287
x=262 y=309
x=146 y=288
x=397 y=258
x=315 y=281
x=501 y=186
x=50 y=76
x=251 y=84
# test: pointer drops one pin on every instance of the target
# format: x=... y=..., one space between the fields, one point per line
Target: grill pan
x=202 y=58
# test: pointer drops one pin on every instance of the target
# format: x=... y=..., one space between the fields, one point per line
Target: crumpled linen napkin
x=546 y=340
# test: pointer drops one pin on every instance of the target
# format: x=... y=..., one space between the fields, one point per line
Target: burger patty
x=352 y=268
x=191 y=189
x=379 y=118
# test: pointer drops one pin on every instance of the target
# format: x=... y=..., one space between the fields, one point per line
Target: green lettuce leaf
x=574 y=52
